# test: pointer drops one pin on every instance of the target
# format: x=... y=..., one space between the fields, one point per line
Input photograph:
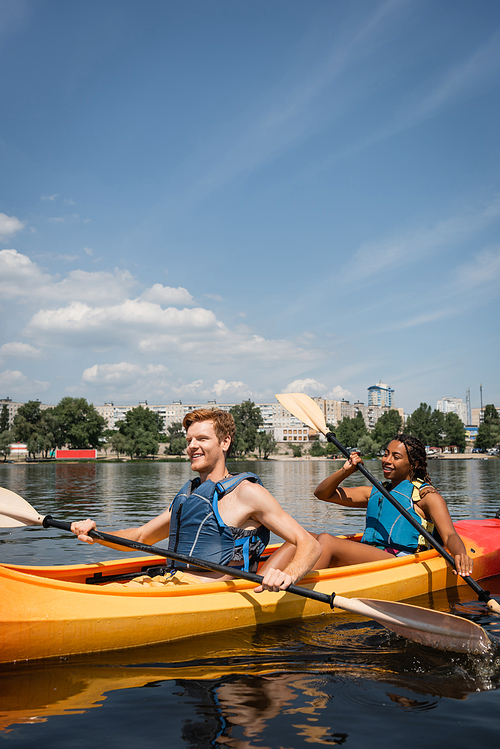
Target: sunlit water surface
x=286 y=685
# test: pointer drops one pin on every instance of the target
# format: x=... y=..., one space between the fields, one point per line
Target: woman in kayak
x=387 y=532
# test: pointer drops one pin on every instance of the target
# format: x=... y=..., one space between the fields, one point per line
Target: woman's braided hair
x=415 y=449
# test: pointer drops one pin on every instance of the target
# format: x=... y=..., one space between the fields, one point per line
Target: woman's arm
x=353 y=496
x=434 y=506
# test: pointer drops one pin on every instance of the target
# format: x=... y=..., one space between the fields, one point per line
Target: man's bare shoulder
x=252 y=492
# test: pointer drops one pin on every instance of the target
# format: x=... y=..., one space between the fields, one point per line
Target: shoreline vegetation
x=19 y=460
x=142 y=434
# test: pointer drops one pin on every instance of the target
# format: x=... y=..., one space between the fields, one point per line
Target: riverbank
x=463 y=456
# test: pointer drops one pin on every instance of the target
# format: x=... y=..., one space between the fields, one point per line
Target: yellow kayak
x=64 y=610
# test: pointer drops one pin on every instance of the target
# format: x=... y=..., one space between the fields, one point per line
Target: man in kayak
x=221 y=517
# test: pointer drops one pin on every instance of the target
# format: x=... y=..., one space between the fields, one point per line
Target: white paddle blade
x=435 y=629
x=15 y=511
x=305 y=409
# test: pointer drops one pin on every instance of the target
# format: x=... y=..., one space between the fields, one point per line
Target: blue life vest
x=387 y=528
x=197 y=529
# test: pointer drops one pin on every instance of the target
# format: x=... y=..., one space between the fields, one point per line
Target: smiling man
x=222 y=517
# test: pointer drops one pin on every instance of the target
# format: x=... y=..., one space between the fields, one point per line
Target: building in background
x=381 y=395
x=335 y=411
x=453 y=405
x=14 y=406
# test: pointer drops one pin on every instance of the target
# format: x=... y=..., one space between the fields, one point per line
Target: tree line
x=77 y=424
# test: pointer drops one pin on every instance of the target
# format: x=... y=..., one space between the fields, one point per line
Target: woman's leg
x=281 y=557
x=338 y=552
x=335 y=552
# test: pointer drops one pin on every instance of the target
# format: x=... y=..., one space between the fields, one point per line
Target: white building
x=453 y=405
x=380 y=395
x=14 y=406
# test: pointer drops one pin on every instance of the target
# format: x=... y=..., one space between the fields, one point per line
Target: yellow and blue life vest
x=386 y=528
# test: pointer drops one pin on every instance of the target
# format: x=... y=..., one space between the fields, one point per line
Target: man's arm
x=149 y=533
x=267 y=511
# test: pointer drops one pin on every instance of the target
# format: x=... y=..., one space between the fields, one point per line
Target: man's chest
x=234 y=512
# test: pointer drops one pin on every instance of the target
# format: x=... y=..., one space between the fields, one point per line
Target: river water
x=277 y=686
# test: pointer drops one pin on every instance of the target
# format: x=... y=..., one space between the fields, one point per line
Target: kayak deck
x=53 y=611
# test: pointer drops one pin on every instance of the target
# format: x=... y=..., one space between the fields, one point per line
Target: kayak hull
x=52 y=612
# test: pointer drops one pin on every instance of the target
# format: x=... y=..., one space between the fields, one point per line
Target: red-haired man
x=222 y=517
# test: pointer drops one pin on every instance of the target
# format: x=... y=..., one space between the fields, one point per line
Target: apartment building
x=334 y=411
x=381 y=395
x=453 y=405
x=13 y=407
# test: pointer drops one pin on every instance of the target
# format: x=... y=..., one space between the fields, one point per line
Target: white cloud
x=49 y=197
x=223 y=391
x=9 y=225
x=22 y=279
x=167 y=296
x=312 y=387
x=195 y=333
x=21 y=350
x=15 y=382
x=19 y=277
x=309 y=386
x=230 y=345
x=339 y=393
x=88 y=251
x=123 y=374
x=236 y=389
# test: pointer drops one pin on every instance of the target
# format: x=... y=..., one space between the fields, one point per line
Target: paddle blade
x=15 y=511
x=305 y=409
x=426 y=626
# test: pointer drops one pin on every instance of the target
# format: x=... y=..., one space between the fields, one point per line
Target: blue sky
x=218 y=199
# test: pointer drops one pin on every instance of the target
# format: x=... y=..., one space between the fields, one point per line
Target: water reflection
x=245 y=687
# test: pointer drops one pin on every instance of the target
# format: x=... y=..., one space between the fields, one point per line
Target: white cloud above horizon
x=9 y=226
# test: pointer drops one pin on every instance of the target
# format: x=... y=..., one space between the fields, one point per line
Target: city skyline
x=220 y=201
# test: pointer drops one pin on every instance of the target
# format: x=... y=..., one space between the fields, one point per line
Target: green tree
x=50 y=432
x=266 y=445
x=141 y=427
x=297 y=451
x=488 y=434
x=367 y=445
x=4 y=419
x=387 y=427
x=350 y=430
x=176 y=439
x=5 y=440
x=454 y=432
x=317 y=450
x=119 y=444
x=80 y=424
x=27 y=421
x=248 y=418
x=426 y=425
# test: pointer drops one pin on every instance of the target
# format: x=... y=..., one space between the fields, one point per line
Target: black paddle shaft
x=49 y=522
x=482 y=594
